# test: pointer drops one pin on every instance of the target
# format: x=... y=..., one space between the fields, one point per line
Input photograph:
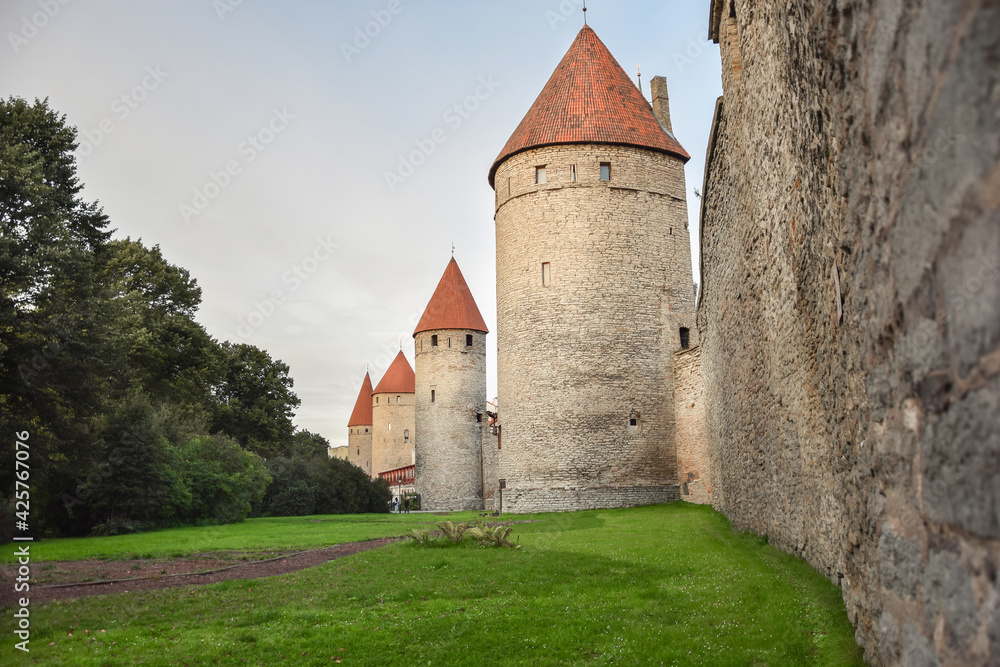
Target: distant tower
x=450 y=342
x=359 y=437
x=594 y=290
x=393 y=432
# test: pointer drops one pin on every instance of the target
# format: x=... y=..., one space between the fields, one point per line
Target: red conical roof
x=589 y=99
x=452 y=306
x=362 y=415
x=399 y=379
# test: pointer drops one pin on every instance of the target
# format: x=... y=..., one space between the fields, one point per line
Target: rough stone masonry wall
x=693 y=463
x=390 y=448
x=581 y=356
x=359 y=447
x=850 y=314
x=449 y=470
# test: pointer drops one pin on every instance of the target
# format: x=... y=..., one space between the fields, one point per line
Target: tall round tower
x=594 y=291
x=450 y=342
x=359 y=427
x=393 y=432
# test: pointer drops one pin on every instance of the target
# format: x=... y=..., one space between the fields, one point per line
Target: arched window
x=406 y=435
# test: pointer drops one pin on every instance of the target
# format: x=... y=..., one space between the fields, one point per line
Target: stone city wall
x=850 y=312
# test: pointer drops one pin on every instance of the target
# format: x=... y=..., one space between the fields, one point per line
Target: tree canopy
x=137 y=416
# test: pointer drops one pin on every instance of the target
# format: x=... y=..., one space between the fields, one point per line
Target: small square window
x=685 y=338
x=540 y=175
x=633 y=422
x=434 y=340
x=468 y=340
x=605 y=171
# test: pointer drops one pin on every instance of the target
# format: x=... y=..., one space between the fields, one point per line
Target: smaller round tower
x=359 y=429
x=450 y=343
x=393 y=432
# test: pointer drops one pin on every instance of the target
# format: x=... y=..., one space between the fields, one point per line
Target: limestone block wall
x=585 y=342
x=491 y=467
x=693 y=461
x=450 y=423
x=359 y=447
x=850 y=312
x=393 y=431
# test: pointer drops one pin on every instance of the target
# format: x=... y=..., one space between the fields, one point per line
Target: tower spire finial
x=639 y=70
x=584 y=12
x=453 y=250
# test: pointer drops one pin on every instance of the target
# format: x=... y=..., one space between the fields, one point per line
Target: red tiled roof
x=589 y=99
x=452 y=305
x=362 y=415
x=399 y=379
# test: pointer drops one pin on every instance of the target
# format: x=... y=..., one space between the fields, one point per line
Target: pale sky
x=251 y=141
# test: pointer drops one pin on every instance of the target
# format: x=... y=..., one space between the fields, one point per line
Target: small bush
x=453 y=533
x=420 y=536
x=492 y=536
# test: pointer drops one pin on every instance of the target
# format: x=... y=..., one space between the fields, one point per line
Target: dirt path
x=131 y=576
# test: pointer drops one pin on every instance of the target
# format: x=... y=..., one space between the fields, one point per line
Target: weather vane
x=452 y=249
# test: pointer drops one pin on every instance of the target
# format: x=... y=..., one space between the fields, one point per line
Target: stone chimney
x=661 y=102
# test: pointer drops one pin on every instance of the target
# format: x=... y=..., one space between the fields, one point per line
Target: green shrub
x=453 y=533
x=492 y=536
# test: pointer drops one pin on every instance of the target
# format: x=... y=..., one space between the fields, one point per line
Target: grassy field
x=656 y=585
x=271 y=534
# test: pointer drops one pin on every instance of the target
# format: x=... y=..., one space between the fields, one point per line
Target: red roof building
x=362 y=415
x=590 y=99
x=399 y=379
x=452 y=305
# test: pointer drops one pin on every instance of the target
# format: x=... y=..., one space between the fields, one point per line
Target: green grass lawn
x=657 y=585
x=271 y=534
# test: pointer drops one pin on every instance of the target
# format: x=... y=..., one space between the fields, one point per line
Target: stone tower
x=393 y=432
x=594 y=290
x=359 y=427
x=450 y=360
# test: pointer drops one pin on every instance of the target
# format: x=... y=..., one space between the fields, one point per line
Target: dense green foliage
x=655 y=585
x=310 y=482
x=136 y=416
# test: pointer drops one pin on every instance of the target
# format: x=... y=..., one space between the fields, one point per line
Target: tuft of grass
x=452 y=532
x=670 y=584
x=493 y=536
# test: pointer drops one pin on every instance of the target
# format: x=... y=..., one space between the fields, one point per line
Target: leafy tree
x=316 y=484
x=254 y=401
x=154 y=303
x=306 y=444
x=139 y=483
x=54 y=352
x=224 y=479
